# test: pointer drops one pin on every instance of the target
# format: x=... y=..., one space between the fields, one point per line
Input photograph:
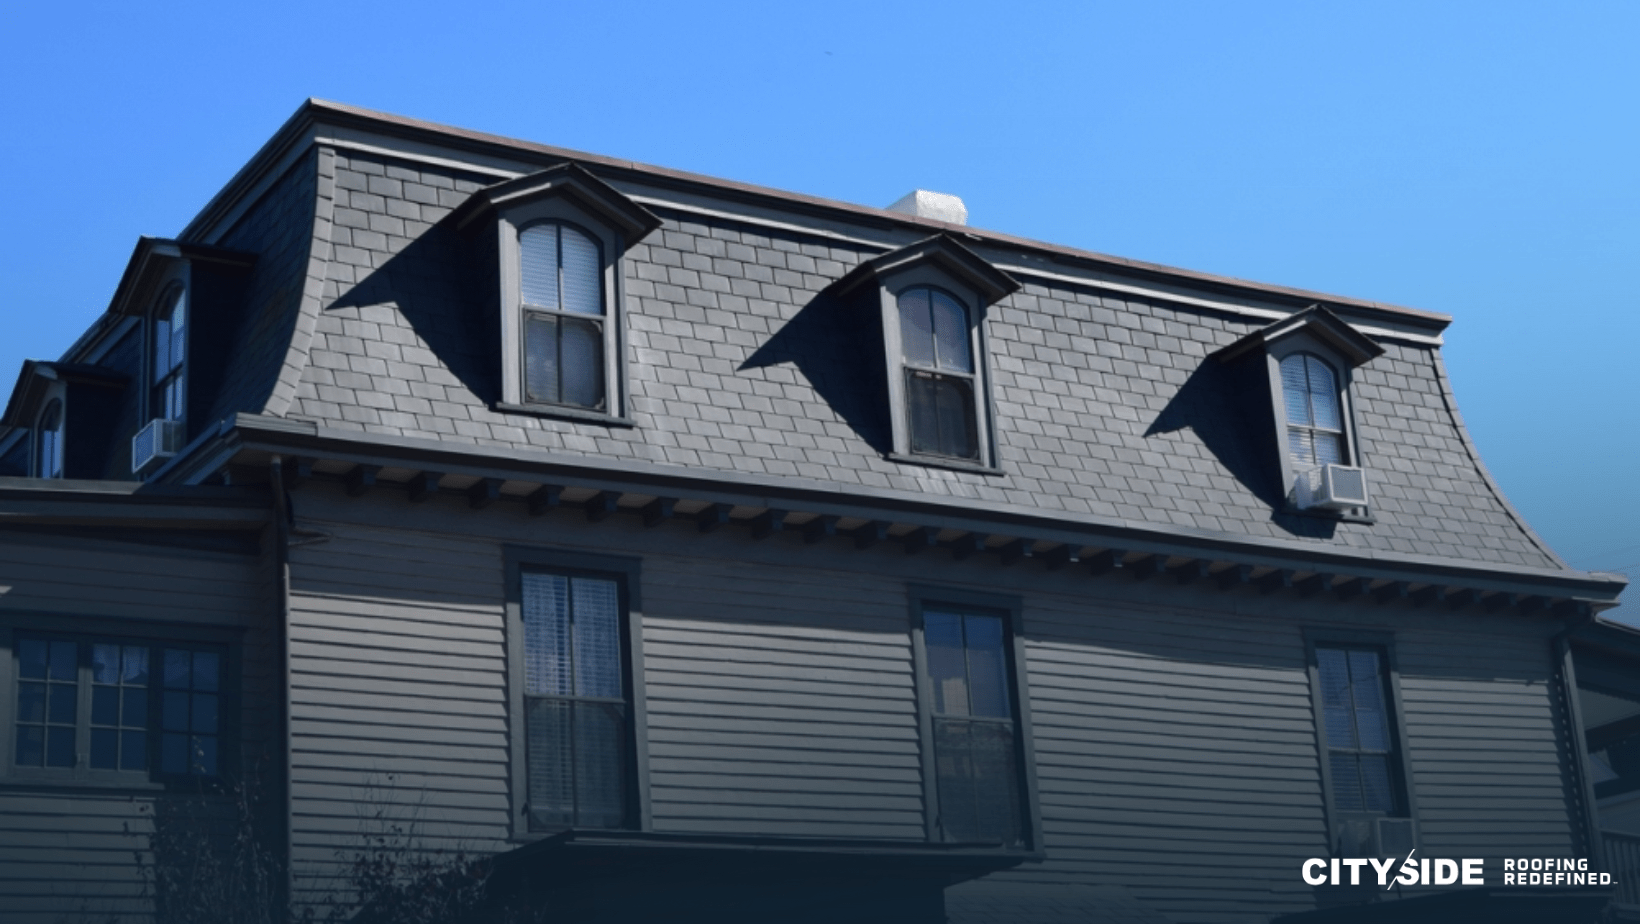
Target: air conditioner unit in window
x=155 y=443
x=1331 y=487
x=1376 y=837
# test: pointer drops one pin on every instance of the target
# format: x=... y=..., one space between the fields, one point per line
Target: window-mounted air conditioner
x=155 y=443
x=1376 y=837
x=1331 y=487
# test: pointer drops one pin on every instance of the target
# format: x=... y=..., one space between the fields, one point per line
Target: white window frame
x=1304 y=343
x=176 y=283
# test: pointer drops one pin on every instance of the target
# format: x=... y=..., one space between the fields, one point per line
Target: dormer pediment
x=569 y=181
x=942 y=252
x=1318 y=322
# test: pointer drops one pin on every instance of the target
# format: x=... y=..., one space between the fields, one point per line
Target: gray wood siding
x=67 y=850
x=1174 y=736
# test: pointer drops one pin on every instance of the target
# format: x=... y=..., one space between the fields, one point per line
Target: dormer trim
x=1319 y=322
x=35 y=382
x=153 y=265
x=943 y=252
x=569 y=180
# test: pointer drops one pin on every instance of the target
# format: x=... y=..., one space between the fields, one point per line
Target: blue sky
x=1474 y=159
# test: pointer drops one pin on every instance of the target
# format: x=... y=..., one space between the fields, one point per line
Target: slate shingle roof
x=1106 y=405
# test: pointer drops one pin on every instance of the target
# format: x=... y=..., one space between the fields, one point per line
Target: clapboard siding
x=1174 y=734
x=67 y=852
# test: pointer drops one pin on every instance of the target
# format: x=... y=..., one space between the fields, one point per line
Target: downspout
x=282 y=522
x=1561 y=645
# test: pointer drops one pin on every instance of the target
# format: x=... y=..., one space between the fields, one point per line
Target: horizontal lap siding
x=398 y=697
x=70 y=853
x=780 y=702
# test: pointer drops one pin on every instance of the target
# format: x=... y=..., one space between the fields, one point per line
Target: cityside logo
x=1413 y=871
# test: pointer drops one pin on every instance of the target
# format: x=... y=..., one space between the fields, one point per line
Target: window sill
x=556 y=412
x=24 y=779
x=956 y=465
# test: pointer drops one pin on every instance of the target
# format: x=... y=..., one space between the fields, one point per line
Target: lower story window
x=577 y=714
x=975 y=732
x=105 y=705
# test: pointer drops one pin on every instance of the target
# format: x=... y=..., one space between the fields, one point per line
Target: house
x=1606 y=656
x=698 y=551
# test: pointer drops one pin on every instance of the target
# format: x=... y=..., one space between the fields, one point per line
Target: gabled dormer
x=929 y=300
x=68 y=411
x=550 y=243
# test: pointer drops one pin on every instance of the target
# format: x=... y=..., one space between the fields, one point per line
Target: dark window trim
x=1383 y=643
x=627 y=573
x=918 y=597
x=228 y=642
x=1274 y=353
x=511 y=221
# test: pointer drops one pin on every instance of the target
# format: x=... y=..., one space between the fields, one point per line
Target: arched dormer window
x=48 y=442
x=561 y=298
x=1315 y=416
x=168 y=397
x=938 y=366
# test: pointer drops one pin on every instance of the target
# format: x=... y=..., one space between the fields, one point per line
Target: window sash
x=1360 y=743
x=564 y=358
x=976 y=760
x=119 y=713
x=942 y=413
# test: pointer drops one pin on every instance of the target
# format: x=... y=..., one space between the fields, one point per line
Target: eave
x=543 y=483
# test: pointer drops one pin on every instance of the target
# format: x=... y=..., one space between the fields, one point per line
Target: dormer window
x=939 y=374
x=561 y=297
x=558 y=238
x=1302 y=365
x=1315 y=419
x=168 y=398
x=48 y=442
x=930 y=299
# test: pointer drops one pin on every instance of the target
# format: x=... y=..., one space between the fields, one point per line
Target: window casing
x=573 y=631
x=978 y=780
x=48 y=441
x=116 y=709
x=168 y=343
x=1365 y=769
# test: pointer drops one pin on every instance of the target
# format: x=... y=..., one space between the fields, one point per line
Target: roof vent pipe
x=938 y=206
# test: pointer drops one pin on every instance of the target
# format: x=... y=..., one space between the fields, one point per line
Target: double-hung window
x=105 y=707
x=561 y=296
x=1364 y=767
x=169 y=394
x=937 y=360
x=1315 y=417
x=976 y=731
x=572 y=631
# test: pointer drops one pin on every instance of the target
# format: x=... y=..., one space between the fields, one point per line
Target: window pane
x=582 y=362
x=173 y=756
x=178 y=668
x=597 y=632
x=978 y=789
x=204 y=718
x=133 y=750
x=1346 y=783
x=541 y=358
x=954 y=406
x=105 y=705
x=582 y=271
x=31 y=702
x=1367 y=688
x=538 y=265
x=207 y=666
x=600 y=762
x=104 y=749
x=135 y=707
x=60 y=704
x=1335 y=697
x=162 y=349
x=551 y=774
x=134 y=665
x=1301 y=443
x=31 y=659
x=64 y=656
x=1295 y=390
x=176 y=711
x=59 y=747
x=951 y=334
x=1329 y=449
x=546 y=634
x=179 y=329
x=1323 y=395
x=920 y=390
x=987 y=672
x=942 y=637
x=105 y=664
x=1377 y=795
x=916 y=327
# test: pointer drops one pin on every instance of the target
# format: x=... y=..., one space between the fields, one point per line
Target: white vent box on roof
x=938 y=206
x=155 y=443
x=1331 y=487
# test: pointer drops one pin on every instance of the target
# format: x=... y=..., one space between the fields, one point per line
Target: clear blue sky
x=1477 y=159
